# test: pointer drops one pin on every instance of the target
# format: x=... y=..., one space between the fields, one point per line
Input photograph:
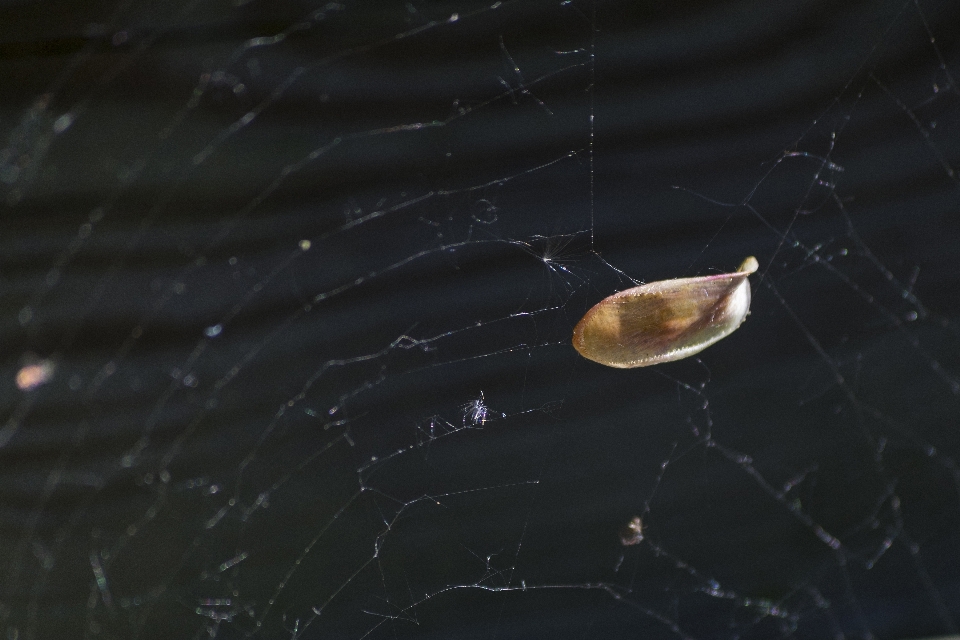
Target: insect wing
x=663 y=321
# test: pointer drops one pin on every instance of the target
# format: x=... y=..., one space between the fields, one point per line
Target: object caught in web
x=287 y=292
x=664 y=321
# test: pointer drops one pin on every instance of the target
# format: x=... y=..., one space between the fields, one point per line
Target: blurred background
x=287 y=291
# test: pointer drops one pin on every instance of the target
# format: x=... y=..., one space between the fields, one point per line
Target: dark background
x=305 y=275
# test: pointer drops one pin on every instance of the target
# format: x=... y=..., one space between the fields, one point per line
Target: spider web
x=287 y=300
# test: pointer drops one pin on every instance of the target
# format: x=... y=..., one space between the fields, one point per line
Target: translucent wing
x=664 y=321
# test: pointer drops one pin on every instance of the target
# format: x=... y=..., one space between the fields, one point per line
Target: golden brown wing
x=664 y=321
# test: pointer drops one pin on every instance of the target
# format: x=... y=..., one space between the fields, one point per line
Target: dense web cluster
x=287 y=296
